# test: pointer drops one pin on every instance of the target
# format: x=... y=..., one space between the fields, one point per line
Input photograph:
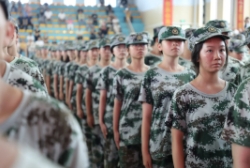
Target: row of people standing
x=127 y=110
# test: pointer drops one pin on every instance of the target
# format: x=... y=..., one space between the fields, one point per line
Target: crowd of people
x=114 y=102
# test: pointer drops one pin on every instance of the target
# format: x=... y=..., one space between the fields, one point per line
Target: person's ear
x=9 y=35
x=159 y=47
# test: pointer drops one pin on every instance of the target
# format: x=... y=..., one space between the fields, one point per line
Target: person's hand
x=61 y=97
x=56 y=96
x=104 y=130
x=147 y=161
x=90 y=121
x=117 y=139
x=80 y=113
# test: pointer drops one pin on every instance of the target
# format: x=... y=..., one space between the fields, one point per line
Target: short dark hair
x=195 y=56
x=5 y=6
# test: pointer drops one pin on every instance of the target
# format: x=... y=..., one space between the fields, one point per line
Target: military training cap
x=223 y=25
x=117 y=40
x=104 y=42
x=171 y=32
x=138 y=38
x=53 y=48
x=203 y=34
x=237 y=45
x=92 y=44
x=189 y=32
x=156 y=31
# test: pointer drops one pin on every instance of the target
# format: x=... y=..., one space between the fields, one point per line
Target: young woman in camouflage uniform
x=199 y=108
x=157 y=89
x=92 y=102
x=105 y=85
x=127 y=113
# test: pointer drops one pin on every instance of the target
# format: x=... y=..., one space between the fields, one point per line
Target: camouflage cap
x=171 y=32
x=203 y=34
x=53 y=48
x=156 y=31
x=223 y=25
x=117 y=40
x=236 y=45
x=92 y=44
x=104 y=42
x=189 y=32
x=137 y=38
x=83 y=46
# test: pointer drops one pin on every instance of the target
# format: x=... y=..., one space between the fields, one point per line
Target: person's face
x=93 y=53
x=138 y=51
x=105 y=53
x=83 y=55
x=120 y=51
x=237 y=55
x=53 y=54
x=212 y=55
x=172 y=48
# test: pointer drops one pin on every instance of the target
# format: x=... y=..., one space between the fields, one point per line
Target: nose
x=217 y=55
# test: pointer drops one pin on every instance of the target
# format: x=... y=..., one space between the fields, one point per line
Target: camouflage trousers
x=130 y=156
x=111 y=157
x=163 y=163
x=97 y=143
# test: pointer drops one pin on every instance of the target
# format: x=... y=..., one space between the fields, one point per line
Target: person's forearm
x=79 y=97
x=88 y=102
x=71 y=84
x=177 y=151
x=61 y=85
x=48 y=84
x=116 y=115
x=66 y=89
x=146 y=122
x=102 y=105
x=55 y=86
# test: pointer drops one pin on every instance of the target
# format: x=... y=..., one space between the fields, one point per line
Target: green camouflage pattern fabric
x=187 y=64
x=50 y=68
x=126 y=89
x=152 y=60
x=233 y=72
x=92 y=44
x=105 y=82
x=248 y=36
x=30 y=67
x=111 y=155
x=223 y=25
x=104 y=42
x=245 y=71
x=189 y=32
x=156 y=31
x=117 y=40
x=201 y=118
x=138 y=38
x=236 y=129
x=91 y=82
x=237 y=45
x=48 y=127
x=130 y=156
x=67 y=74
x=171 y=32
x=17 y=78
x=204 y=33
x=157 y=90
x=97 y=143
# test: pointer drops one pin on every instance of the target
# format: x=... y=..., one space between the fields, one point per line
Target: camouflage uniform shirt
x=21 y=80
x=157 y=89
x=152 y=60
x=105 y=82
x=232 y=73
x=91 y=82
x=30 y=67
x=201 y=118
x=126 y=88
x=236 y=129
x=50 y=68
x=48 y=127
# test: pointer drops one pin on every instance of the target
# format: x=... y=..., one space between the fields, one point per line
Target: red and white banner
x=240 y=14
x=167 y=12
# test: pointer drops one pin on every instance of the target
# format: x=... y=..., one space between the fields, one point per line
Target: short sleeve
x=145 y=91
x=117 y=87
x=88 y=83
x=176 y=117
x=102 y=83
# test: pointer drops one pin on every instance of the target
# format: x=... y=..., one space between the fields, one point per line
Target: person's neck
x=120 y=63
x=170 y=64
x=155 y=52
x=8 y=103
x=92 y=62
x=137 y=65
x=13 y=51
x=232 y=56
x=83 y=61
x=6 y=55
x=207 y=78
x=104 y=62
x=186 y=54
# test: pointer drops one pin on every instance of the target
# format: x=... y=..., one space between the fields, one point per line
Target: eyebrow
x=214 y=46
